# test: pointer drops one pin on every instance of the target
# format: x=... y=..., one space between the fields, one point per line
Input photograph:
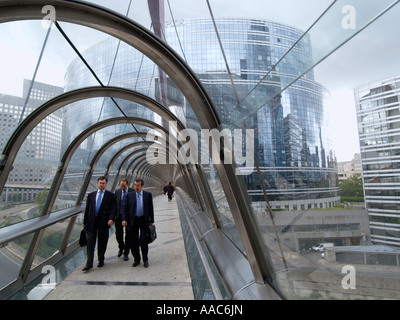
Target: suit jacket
x=129 y=210
x=118 y=194
x=106 y=212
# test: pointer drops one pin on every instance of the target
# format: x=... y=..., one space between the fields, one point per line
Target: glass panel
x=225 y=215
x=41 y=286
x=39 y=75
x=121 y=6
x=315 y=44
x=28 y=183
x=12 y=255
x=80 y=163
x=76 y=231
x=23 y=42
x=50 y=242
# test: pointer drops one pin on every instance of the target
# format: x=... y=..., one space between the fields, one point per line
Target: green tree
x=352 y=187
x=41 y=199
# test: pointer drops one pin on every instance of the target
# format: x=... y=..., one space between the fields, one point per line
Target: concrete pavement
x=167 y=277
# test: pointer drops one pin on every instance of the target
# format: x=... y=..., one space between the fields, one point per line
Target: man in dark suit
x=169 y=189
x=120 y=197
x=137 y=216
x=99 y=216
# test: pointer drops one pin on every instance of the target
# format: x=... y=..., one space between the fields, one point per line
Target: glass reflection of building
x=291 y=141
x=378 y=117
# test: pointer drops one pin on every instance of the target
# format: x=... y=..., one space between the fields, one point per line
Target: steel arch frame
x=33 y=119
x=186 y=80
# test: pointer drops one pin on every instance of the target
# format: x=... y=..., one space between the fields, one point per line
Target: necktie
x=123 y=196
x=98 y=201
x=139 y=209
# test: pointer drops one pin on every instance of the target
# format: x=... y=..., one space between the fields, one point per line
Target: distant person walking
x=169 y=189
x=99 y=216
x=137 y=216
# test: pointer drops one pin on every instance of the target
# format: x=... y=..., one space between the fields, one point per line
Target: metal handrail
x=207 y=268
x=25 y=227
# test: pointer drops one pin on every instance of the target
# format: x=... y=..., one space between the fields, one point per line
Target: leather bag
x=152 y=234
x=82 y=238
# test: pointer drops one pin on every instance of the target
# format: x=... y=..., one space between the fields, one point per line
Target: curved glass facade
x=292 y=141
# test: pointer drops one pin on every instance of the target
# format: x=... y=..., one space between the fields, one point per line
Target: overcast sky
x=370 y=56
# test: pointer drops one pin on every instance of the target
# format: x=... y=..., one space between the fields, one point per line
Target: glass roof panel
x=342 y=21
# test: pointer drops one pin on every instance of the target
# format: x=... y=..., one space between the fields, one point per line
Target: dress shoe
x=101 y=264
x=146 y=264
x=135 y=264
x=86 y=268
x=119 y=253
x=126 y=257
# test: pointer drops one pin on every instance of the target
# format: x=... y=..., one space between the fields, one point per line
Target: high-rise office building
x=292 y=142
x=378 y=116
x=38 y=157
x=349 y=169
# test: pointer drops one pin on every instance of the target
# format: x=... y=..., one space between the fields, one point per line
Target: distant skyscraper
x=38 y=157
x=378 y=116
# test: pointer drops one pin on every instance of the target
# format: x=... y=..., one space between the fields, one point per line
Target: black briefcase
x=82 y=238
x=152 y=234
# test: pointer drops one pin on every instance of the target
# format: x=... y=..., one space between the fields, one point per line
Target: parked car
x=321 y=246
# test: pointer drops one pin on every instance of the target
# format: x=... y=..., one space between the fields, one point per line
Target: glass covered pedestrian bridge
x=218 y=97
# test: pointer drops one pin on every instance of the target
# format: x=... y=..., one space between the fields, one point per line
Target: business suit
x=97 y=225
x=137 y=227
x=119 y=230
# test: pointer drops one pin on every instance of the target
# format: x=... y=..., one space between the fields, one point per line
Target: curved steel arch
x=75 y=144
x=129 y=169
x=122 y=150
x=166 y=153
x=99 y=153
x=192 y=186
x=137 y=151
x=186 y=80
x=127 y=30
x=109 y=143
x=132 y=145
x=33 y=119
x=141 y=159
x=58 y=179
x=192 y=190
x=141 y=162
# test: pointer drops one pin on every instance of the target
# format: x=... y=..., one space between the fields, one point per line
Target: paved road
x=9 y=267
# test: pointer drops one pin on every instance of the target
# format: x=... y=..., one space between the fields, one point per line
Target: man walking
x=120 y=196
x=99 y=216
x=137 y=216
x=169 y=189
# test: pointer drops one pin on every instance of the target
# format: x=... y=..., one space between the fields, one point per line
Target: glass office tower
x=39 y=155
x=378 y=117
x=291 y=143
